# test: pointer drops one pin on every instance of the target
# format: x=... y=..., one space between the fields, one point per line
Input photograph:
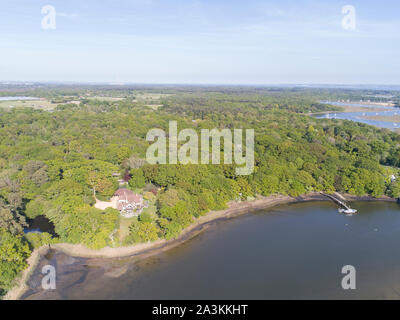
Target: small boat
x=347 y=211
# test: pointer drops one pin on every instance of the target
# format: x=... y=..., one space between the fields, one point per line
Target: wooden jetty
x=342 y=203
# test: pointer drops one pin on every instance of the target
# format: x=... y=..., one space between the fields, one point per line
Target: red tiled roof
x=128 y=195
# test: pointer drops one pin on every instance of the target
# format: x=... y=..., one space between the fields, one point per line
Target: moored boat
x=348 y=211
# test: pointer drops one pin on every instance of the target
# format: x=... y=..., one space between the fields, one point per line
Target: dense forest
x=51 y=161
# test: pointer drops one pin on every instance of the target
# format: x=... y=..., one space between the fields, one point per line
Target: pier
x=334 y=199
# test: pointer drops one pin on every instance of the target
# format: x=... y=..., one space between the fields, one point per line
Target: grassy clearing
x=36 y=104
x=152 y=209
x=151 y=96
x=154 y=106
x=105 y=98
x=151 y=100
x=124 y=224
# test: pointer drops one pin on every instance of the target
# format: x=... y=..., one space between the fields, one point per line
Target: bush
x=142 y=231
x=149 y=196
x=14 y=250
x=137 y=180
x=37 y=239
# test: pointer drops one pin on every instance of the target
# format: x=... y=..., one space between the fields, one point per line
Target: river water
x=358 y=116
x=40 y=224
x=292 y=251
x=17 y=98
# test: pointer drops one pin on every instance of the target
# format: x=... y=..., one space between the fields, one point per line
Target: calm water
x=40 y=224
x=17 y=98
x=358 y=116
x=292 y=251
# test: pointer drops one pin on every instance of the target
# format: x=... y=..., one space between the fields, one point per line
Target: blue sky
x=218 y=41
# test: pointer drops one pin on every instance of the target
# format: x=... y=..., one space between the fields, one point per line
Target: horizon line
x=123 y=83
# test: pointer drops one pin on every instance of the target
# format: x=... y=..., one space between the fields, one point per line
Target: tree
x=100 y=183
x=134 y=162
x=172 y=229
x=11 y=221
x=206 y=201
x=142 y=231
x=137 y=179
x=88 y=226
x=15 y=200
x=34 y=207
x=394 y=189
x=14 y=251
x=244 y=188
x=145 y=217
x=40 y=177
x=178 y=213
x=168 y=198
x=38 y=239
x=32 y=166
x=147 y=231
x=36 y=171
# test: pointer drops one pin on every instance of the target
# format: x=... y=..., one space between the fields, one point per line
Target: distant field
x=36 y=104
x=152 y=100
x=384 y=118
x=150 y=97
x=105 y=98
x=154 y=106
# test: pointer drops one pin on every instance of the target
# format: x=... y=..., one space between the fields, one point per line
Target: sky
x=201 y=42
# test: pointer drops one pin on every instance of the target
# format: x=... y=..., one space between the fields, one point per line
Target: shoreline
x=351 y=108
x=152 y=248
